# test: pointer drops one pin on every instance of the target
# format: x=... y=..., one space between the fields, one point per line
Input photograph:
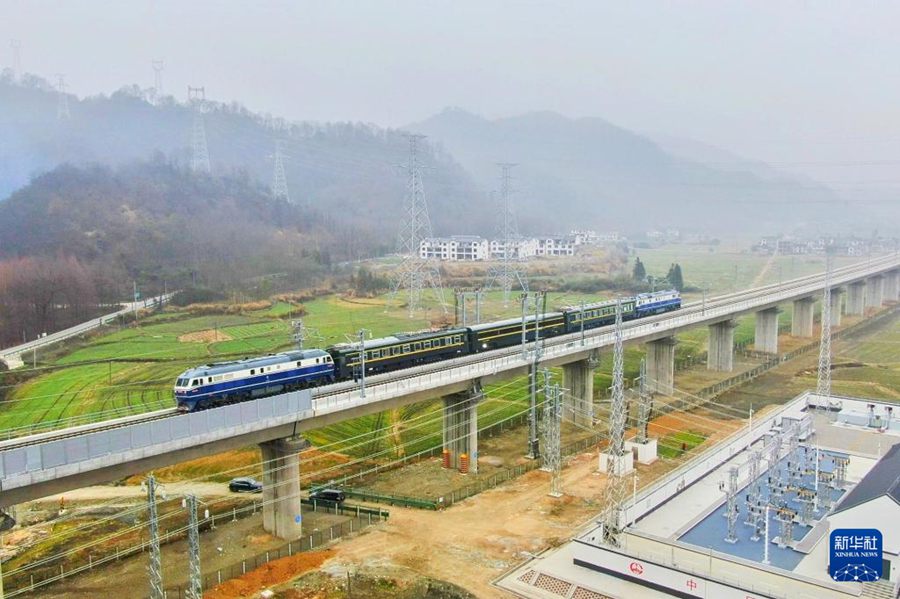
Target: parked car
x=245 y=485
x=333 y=495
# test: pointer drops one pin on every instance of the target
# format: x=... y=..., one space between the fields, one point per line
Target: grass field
x=672 y=446
x=132 y=369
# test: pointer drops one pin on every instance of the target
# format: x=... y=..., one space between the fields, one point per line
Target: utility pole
x=62 y=104
x=615 y=492
x=158 y=66
x=302 y=333
x=644 y=406
x=361 y=336
x=508 y=271
x=199 y=148
x=823 y=384
x=534 y=451
x=195 y=587
x=16 y=47
x=155 y=569
x=279 y=180
x=552 y=417
x=414 y=272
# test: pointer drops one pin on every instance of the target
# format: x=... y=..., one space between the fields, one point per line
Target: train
x=223 y=383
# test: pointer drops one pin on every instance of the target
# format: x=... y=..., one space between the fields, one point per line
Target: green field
x=674 y=445
x=132 y=369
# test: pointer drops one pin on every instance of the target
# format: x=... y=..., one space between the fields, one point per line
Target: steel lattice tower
x=415 y=273
x=158 y=66
x=508 y=271
x=16 y=47
x=552 y=418
x=823 y=385
x=155 y=569
x=195 y=584
x=62 y=104
x=615 y=493
x=732 y=511
x=199 y=149
x=645 y=406
x=279 y=180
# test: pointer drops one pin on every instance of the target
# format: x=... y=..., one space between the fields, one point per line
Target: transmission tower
x=199 y=149
x=552 y=418
x=615 y=492
x=62 y=103
x=155 y=569
x=823 y=385
x=645 y=406
x=158 y=66
x=508 y=271
x=16 y=47
x=279 y=180
x=732 y=512
x=195 y=585
x=414 y=273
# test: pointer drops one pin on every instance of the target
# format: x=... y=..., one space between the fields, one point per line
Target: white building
x=555 y=246
x=457 y=248
x=518 y=248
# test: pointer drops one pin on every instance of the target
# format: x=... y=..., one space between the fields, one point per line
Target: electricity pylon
x=508 y=271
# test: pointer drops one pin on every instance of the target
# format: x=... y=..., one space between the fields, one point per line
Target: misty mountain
x=589 y=172
x=155 y=221
x=345 y=170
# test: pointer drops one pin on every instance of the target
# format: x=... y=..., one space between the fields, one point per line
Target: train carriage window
x=417 y=346
x=252 y=372
x=209 y=379
x=328 y=359
x=427 y=344
x=406 y=348
x=299 y=364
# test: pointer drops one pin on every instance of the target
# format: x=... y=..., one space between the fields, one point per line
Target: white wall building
x=518 y=248
x=555 y=246
x=457 y=248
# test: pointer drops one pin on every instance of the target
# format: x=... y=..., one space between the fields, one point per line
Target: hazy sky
x=813 y=86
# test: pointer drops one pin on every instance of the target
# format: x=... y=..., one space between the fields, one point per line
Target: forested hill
x=590 y=171
x=154 y=221
x=344 y=169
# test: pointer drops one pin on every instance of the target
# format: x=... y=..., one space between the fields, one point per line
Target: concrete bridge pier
x=281 y=486
x=720 y=353
x=802 y=320
x=892 y=286
x=661 y=365
x=874 y=291
x=766 y=337
x=837 y=296
x=461 y=427
x=856 y=293
x=578 y=379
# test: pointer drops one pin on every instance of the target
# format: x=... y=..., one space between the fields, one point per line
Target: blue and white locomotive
x=229 y=382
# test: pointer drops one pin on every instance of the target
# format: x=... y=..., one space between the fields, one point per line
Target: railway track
x=374 y=381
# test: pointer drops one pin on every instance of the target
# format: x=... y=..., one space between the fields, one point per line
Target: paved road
x=12 y=356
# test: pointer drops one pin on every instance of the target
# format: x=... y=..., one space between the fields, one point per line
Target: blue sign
x=298 y=518
x=855 y=554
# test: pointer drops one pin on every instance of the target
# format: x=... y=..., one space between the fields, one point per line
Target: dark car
x=245 y=485
x=333 y=495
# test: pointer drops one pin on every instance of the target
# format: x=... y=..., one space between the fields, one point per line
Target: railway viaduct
x=38 y=465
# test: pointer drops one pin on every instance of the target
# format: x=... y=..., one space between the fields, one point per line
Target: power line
x=508 y=272
x=414 y=272
x=199 y=148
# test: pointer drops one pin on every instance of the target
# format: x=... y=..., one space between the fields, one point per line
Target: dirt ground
x=207 y=336
x=428 y=479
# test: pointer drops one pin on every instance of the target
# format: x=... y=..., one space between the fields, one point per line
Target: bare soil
x=207 y=336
